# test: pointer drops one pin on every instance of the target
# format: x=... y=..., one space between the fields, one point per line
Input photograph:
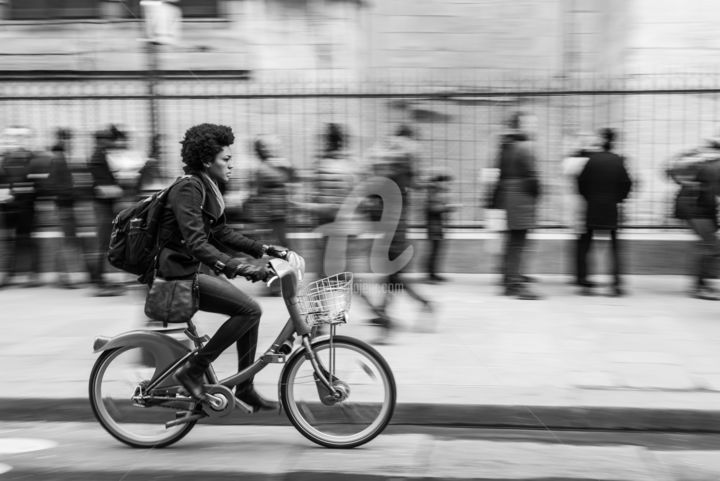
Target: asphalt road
x=83 y=451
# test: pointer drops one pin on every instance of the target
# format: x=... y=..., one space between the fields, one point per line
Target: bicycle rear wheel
x=361 y=372
x=115 y=377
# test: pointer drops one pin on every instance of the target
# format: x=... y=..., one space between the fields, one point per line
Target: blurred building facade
x=454 y=68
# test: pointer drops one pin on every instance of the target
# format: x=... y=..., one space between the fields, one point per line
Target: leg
x=616 y=263
x=220 y=296
x=103 y=223
x=706 y=249
x=25 y=243
x=9 y=242
x=433 y=258
x=584 y=244
x=515 y=247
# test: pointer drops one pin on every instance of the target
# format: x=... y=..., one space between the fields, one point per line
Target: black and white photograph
x=359 y=240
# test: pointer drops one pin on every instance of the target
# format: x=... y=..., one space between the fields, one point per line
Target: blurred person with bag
x=604 y=183
x=697 y=172
x=23 y=177
x=195 y=239
x=518 y=191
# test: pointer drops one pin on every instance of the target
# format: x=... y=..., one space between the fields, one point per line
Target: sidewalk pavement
x=646 y=361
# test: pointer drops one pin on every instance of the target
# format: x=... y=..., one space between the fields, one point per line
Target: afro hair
x=202 y=143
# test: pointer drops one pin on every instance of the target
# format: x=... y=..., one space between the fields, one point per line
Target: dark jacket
x=603 y=183
x=699 y=181
x=194 y=232
x=61 y=178
x=519 y=186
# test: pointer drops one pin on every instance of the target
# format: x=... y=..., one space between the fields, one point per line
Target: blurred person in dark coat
x=24 y=175
x=697 y=172
x=519 y=190
x=437 y=207
x=61 y=180
x=603 y=183
x=107 y=197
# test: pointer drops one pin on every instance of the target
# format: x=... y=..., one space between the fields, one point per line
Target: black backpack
x=133 y=241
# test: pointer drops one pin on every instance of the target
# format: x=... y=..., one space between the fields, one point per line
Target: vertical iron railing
x=458 y=121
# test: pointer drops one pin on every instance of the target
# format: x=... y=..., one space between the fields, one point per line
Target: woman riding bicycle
x=193 y=232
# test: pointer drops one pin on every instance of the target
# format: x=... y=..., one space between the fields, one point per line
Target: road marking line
x=24 y=445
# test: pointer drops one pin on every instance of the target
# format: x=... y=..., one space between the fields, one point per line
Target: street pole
x=152 y=82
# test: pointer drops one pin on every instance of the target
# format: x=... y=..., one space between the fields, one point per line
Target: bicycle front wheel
x=366 y=381
x=114 y=381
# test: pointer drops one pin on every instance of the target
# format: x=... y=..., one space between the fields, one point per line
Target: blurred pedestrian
x=21 y=172
x=150 y=176
x=697 y=172
x=273 y=178
x=437 y=207
x=603 y=183
x=519 y=190
x=108 y=195
x=61 y=180
x=396 y=160
x=336 y=174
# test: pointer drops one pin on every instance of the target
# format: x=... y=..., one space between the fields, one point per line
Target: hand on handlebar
x=254 y=273
x=277 y=251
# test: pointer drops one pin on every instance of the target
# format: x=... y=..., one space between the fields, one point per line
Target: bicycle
x=336 y=390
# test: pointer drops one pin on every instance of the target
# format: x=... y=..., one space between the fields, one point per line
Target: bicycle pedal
x=274 y=358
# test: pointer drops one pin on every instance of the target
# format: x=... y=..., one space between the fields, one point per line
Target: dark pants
x=706 y=249
x=70 y=245
x=20 y=219
x=515 y=246
x=584 y=246
x=220 y=296
x=104 y=215
x=434 y=256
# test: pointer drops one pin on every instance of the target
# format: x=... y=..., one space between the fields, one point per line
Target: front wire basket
x=326 y=300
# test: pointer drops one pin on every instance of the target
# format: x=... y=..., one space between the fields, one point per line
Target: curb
x=148 y=475
x=451 y=415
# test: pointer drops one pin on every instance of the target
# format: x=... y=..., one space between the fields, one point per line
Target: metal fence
x=458 y=121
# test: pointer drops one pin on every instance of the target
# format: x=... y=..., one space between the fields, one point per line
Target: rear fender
x=163 y=348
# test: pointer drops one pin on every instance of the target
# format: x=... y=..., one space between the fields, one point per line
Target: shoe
x=528 y=279
x=253 y=399
x=586 y=291
x=617 y=291
x=68 y=284
x=585 y=283
x=380 y=321
x=191 y=380
x=108 y=291
x=705 y=293
x=525 y=294
x=436 y=278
